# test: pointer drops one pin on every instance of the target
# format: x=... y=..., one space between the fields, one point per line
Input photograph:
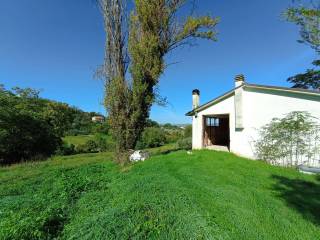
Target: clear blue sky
x=55 y=45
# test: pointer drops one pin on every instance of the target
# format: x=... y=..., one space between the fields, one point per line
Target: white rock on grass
x=139 y=156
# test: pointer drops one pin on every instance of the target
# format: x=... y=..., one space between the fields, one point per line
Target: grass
x=78 y=140
x=206 y=195
x=165 y=149
x=82 y=139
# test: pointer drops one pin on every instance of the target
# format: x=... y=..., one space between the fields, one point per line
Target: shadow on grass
x=168 y=151
x=302 y=195
x=163 y=151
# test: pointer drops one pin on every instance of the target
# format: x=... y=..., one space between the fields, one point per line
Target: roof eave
x=254 y=86
x=212 y=102
x=189 y=114
x=285 y=89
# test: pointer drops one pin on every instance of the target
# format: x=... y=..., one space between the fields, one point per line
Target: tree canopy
x=307 y=17
x=31 y=127
x=308 y=80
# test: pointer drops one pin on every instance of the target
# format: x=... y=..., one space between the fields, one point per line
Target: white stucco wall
x=259 y=108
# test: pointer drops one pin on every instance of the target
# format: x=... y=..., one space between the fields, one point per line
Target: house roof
x=251 y=86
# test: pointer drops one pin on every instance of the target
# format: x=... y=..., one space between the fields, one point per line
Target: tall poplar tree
x=114 y=70
x=154 y=30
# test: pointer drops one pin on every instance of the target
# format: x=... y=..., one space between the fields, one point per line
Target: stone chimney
x=239 y=80
x=195 y=98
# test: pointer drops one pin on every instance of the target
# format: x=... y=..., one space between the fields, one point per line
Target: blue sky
x=56 y=45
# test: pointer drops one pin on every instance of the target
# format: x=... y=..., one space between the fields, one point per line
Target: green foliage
x=206 y=195
x=32 y=127
x=58 y=115
x=151 y=123
x=82 y=124
x=103 y=143
x=308 y=19
x=152 y=137
x=154 y=31
x=77 y=140
x=192 y=27
x=289 y=141
x=116 y=105
x=308 y=80
x=26 y=92
x=158 y=135
x=102 y=128
x=153 y=34
x=169 y=126
x=90 y=143
x=172 y=136
x=90 y=146
x=173 y=133
x=66 y=149
x=188 y=131
x=24 y=133
x=113 y=73
x=185 y=143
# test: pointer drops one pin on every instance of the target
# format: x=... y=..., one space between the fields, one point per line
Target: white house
x=99 y=119
x=232 y=120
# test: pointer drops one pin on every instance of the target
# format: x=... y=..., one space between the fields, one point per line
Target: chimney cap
x=195 y=92
x=239 y=77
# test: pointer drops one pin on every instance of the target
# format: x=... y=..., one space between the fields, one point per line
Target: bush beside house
x=290 y=141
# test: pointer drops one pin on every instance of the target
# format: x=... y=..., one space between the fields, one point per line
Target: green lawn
x=207 y=195
x=78 y=140
x=82 y=139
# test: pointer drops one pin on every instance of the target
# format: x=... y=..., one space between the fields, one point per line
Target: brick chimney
x=195 y=98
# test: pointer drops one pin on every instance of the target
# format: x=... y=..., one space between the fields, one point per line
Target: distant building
x=99 y=119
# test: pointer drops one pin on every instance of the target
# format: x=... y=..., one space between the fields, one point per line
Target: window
x=212 y=122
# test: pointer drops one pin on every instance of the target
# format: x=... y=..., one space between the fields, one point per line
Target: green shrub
x=24 y=134
x=187 y=131
x=101 y=141
x=152 y=137
x=66 y=149
x=91 y=144
x=102 y=128
x=289 y=141
x=185 y=143
x=77 y=132
x=89 y=147
x=173 y=135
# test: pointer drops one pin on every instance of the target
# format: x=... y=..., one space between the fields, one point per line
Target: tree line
x=31 y=127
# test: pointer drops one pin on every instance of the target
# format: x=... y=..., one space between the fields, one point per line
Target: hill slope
x=207 y=195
